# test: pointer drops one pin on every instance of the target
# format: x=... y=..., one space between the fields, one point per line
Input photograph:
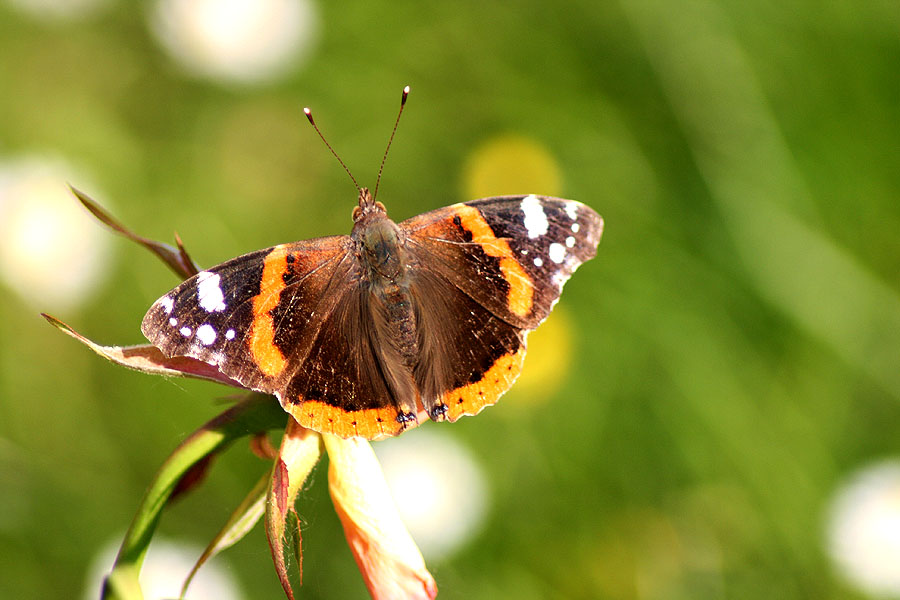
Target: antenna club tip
x=309 y=116
x=405 y=94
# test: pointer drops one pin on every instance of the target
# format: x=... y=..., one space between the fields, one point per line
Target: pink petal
x=388 y=558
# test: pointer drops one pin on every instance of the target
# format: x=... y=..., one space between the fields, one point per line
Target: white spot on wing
x=535 y=219
x=206 y=334
x=209 y=294
x=575 y=227
x=229 y=335
x=167 y=303
x=538 y=262
x=185 y=331
x=173 y=321
x=570 y=242
x=557 y=252
x=572 y=209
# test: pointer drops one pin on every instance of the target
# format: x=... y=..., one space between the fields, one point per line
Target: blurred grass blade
x=299 y=453
x=148 y=359
x=792 y=258
x=256 y=413
x=176 y=258
x=239 y=524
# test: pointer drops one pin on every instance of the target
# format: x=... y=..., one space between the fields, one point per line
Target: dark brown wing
x=489 y=271
x=291 y=321
x=468 y=357
x=341 y=388
x=511 y=254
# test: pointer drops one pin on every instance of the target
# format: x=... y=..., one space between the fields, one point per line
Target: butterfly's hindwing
x=461 y=343
x=341 y=388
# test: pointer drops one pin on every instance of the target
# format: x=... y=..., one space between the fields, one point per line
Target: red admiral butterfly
x=355 y=334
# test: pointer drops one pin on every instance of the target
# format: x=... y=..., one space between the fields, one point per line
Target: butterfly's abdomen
x=395 y=344
x=400 y=325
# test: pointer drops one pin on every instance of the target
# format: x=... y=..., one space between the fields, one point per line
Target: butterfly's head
x=367 y=205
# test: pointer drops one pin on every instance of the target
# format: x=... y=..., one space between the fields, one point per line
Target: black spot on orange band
x=369 y=423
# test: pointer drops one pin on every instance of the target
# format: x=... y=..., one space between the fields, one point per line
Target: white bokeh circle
x=438 y=486
x=864 y=529
x=238 y=41
x=52 y=252
x=163 y=572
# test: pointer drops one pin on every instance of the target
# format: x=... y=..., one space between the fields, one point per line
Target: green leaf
x=123 y=584
x=254 y=414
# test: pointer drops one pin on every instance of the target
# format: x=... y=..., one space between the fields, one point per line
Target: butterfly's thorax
x=380 y=252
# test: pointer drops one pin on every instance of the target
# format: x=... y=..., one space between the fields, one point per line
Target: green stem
x=256 y=413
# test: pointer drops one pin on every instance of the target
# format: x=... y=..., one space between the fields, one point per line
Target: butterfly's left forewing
x=488 y=272
x=511 y=254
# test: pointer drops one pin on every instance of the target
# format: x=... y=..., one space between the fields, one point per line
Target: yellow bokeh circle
x=548 y=360
x=510 y=164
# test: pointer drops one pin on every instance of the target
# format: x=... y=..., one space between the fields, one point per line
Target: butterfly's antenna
x=312 y=122
x=393 y=131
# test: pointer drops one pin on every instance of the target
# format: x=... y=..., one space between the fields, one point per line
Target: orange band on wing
x=370 y=423
x=520 y=288
x=266 y=354
x=470 y=399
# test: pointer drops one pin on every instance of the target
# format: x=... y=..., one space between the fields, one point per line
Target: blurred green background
x=709 y=384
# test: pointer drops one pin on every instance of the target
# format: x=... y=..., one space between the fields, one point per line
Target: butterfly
x=360 y=335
